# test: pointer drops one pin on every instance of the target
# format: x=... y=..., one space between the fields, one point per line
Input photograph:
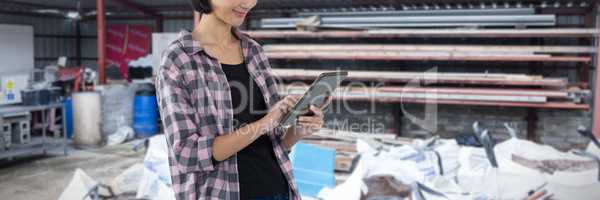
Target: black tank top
x=259 y=173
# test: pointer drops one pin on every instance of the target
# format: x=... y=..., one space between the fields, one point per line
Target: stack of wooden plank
x=428 y=33
x=429 y=52
x=430 y=77
x=551 y=94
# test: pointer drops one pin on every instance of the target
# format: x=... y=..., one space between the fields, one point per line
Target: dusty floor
x=45 y=177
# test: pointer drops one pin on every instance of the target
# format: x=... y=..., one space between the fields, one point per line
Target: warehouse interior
x=444 y=99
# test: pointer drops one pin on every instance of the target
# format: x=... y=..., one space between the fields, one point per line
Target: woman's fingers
x=316 y=119
x=294 y=99
x=311 y=119
x=290 y=101
x=309 y=124
x=282 y=107
x=317 y=111
x=287 y=103
x=327 y=102
x=309 y=128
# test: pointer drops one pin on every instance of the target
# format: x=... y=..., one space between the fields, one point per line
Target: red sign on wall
x=125 y=43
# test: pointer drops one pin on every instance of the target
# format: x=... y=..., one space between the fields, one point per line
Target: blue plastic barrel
x=68 y=104
x=145 y=114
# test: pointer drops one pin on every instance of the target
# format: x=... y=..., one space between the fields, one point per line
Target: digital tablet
x=316 y=95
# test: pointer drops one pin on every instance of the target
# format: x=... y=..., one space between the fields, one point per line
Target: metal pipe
x=78 y=43
x=419 y=19
x=31 y=14
x=101 y=42
x=415 y=48
x=422 y=21
x=374 y=25
x=324 y=55
x=439 y=77
x=596 y=117
x=432 y=33
x=38 y=5
x=159 y=24
x=280 y=20
x=385 y=99
x=440 y=19
x=514 y=11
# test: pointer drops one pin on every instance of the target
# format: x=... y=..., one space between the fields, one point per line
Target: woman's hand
x=280 y=109
x=305 y=125
x=309 y=124
x=227 y=145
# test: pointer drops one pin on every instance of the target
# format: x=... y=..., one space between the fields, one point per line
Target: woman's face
x=232 y=12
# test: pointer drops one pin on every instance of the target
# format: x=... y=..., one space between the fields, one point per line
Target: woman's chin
x=236 y=23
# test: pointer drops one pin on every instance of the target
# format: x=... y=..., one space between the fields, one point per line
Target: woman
x=220 y=110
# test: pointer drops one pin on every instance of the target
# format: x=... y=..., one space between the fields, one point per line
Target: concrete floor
x=45 y=177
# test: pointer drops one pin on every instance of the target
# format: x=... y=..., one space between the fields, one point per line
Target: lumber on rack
x=453 y=96
x=478 y=94
x=481 y=91
x=393 y=56
x=432 y=33
x=495 y=49
x=429 y=77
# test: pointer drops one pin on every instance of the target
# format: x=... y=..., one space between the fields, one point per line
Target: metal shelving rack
x=39 y=144
x=583 y=66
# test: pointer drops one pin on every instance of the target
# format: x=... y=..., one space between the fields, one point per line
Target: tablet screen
x=316 y=95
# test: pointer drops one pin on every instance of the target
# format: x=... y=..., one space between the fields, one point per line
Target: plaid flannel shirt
x=195 y=106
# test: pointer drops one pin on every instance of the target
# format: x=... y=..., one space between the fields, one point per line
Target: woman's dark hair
x=201 y=6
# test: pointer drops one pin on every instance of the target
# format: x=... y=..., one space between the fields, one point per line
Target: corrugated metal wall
x=56 y=37
x=89 y=47
x=177 y=24
x=47 y=46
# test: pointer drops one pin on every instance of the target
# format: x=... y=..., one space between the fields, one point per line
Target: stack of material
x=429 y=52
x=117 y=107
x=553 y=96
x=430 y=77
x=517 y=17
x=430 y=33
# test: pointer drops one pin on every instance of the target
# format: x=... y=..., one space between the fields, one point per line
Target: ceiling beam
x=333 y=4
x=37 y=5
x=32 y=14
x=172 y=7
x=566 y=11
x=138 y=7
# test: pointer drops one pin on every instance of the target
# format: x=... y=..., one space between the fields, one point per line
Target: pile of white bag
x=150 y=180
x=461 y=172
x=156 y=180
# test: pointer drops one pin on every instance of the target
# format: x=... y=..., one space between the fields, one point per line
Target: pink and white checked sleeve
x=189 y=141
